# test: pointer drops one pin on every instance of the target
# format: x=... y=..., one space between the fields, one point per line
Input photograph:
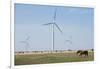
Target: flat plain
x=46 y=58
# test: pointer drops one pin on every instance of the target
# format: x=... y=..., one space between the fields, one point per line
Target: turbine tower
x=53 y=23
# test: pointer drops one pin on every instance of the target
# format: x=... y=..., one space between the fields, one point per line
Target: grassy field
x=51 y=58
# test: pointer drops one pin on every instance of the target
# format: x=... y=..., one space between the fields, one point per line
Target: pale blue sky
x=73 y=21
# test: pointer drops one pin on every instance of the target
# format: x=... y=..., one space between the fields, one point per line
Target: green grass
x=51 y=58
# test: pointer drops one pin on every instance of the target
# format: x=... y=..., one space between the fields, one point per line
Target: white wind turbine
x=26 y=42
x=69 y=41
x=53 y=31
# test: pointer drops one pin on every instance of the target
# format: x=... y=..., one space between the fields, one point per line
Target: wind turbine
x=69 y=40
x=26 y=42
x=53 y=23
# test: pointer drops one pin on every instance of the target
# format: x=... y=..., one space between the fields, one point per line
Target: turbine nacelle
x=54 y=25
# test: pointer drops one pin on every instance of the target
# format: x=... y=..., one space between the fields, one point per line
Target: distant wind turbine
x=53 y=31
x=69 y=41
x=26 y=42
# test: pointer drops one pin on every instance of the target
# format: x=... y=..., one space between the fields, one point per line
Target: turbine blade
x=23 y=41
x=70 y=36
x=55 y=14
x=27 y=38
x=69 y=41
x=47 y=23
x=58 y=28
x=27 y=43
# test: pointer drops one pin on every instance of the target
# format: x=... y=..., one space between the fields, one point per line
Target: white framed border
x=72 y=3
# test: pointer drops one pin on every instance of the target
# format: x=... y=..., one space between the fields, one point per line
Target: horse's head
x=79 y=51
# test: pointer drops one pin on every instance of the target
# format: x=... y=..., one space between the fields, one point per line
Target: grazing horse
x=80 y=53
x=85 y=53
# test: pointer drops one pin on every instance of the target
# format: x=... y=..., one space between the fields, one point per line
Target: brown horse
x=85 y=53
x=80 y=53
